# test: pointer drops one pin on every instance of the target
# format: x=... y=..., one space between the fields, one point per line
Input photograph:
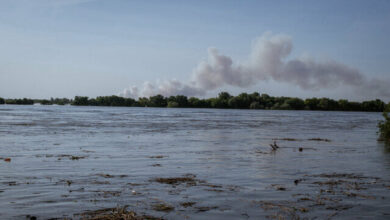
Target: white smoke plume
x=267 y=60
x=166 y=88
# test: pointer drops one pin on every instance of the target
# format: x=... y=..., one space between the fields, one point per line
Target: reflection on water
x=215 y=163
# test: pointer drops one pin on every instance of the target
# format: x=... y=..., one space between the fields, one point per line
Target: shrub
x=172 y=104
x=384 y=128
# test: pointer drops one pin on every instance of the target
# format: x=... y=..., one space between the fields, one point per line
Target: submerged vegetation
x=223 y=100
x=113 y=214
x=384 y=127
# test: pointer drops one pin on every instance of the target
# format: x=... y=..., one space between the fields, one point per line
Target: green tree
x=256 y=105
x=60 y=101
x=93 y=102
x=45 y=102
x=295 y=103
x=181 y=100
x=242 y=101
x=129 y=102
x=117 y=101
x=2 y=101
x=312 y=103
x=373 y=106
x=276 y=106
x=194 y=102
x=158 y=101
x=224 y=95
x=221 y=101
x=173 y=104
x=326 y=104
x=218 y=103
x=23 y=101
x=267 y=101
x=343 y=105
x=285 y=106
x=143 y=102
x=80 y=100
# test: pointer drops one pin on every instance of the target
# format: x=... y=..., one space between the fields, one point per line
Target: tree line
x=224 y=100
x=242 y=101
x=26 y=101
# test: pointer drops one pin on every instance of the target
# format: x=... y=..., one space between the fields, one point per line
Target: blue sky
x=63 y=48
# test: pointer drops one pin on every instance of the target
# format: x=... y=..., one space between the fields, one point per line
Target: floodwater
x=66 y=160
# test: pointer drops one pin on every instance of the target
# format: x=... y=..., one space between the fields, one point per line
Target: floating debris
x=261 y=152
x=339 y=207
x=205 y=208
x=135 y=192
x=350 y=194
x=11 y=183
x=297 y=181
x=100 y=182
x=189 y=179
x=187 y=204
x=305 y=199
x=319 y=139
x=287 y=139
x=61 y=156
x=279 y=187
x=334 y=194
x=7 y=159
x=107 y=194
x=31 y=217
x=284 y=210
x=77 y=157
x=157 y=157
x=163 y=207
x=105 y=175
x=344 y=175
x=274 y=146
x=114 y=214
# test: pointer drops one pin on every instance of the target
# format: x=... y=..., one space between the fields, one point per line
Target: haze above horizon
x=64 y=48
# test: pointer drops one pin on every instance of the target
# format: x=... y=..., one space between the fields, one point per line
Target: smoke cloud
x=268 y=60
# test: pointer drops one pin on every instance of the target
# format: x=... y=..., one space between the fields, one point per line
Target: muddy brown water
x=191 y=163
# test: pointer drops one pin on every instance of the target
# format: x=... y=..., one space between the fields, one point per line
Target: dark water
x=66 y=160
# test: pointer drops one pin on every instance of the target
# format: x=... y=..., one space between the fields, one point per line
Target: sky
x=63 y=48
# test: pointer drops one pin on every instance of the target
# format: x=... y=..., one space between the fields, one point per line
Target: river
x=200 y=163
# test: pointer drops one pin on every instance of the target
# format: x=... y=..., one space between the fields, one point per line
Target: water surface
x=66 y=160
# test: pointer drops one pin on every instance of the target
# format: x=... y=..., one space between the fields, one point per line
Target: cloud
x=166 y=88
x=268 y=60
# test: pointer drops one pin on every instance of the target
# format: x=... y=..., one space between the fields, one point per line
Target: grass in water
x=384 y=128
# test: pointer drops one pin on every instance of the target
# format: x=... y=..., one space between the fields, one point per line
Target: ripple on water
x=196 y=163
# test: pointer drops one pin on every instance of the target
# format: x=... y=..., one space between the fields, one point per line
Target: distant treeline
x=26 y=101
x=223 y=100
x=17 y=101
